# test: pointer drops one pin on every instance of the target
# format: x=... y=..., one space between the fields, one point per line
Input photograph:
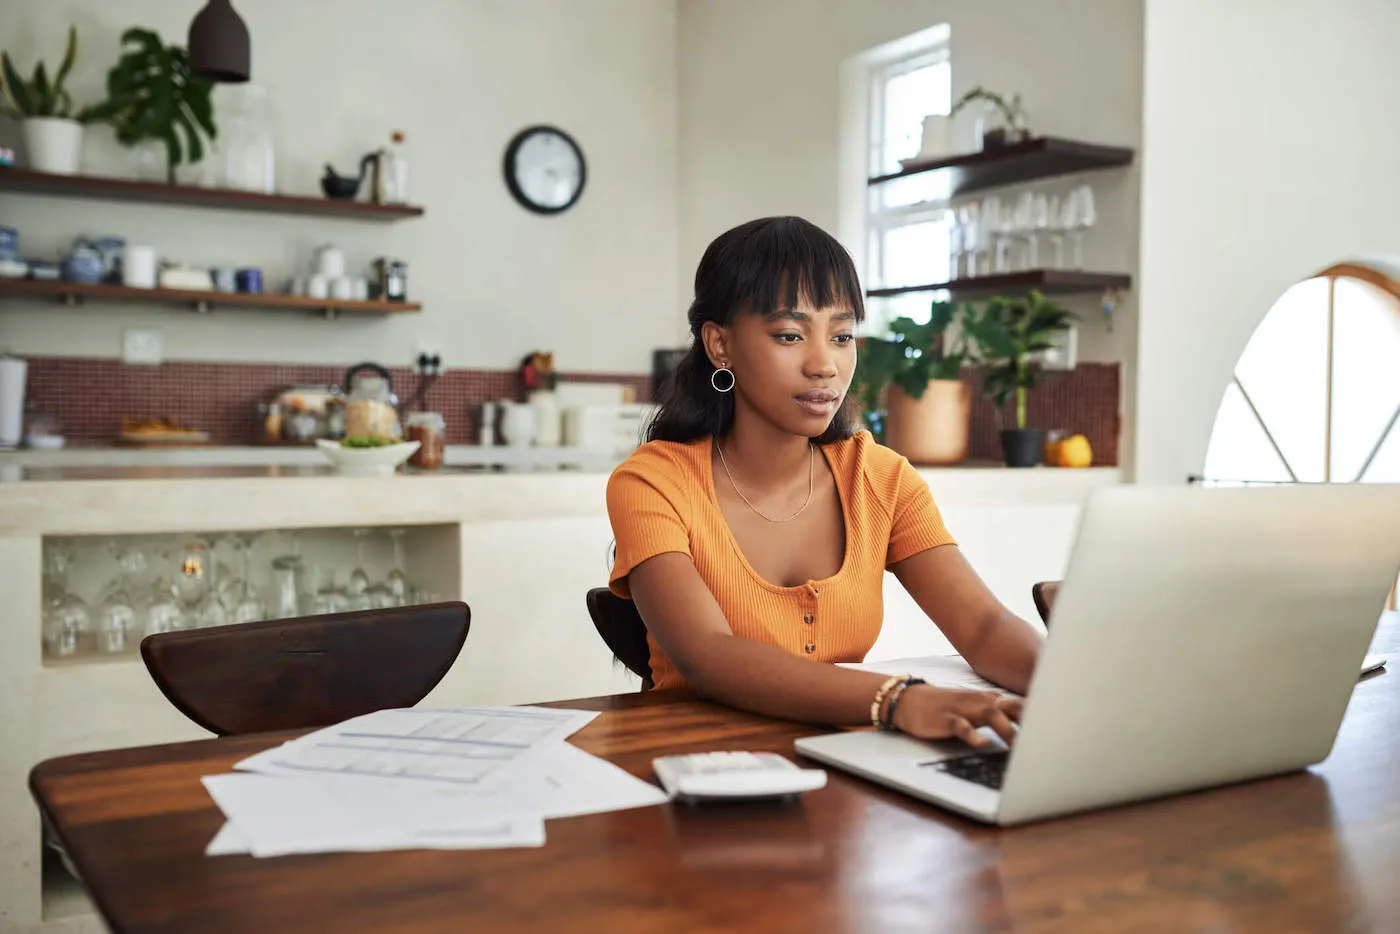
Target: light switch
x=142 y=346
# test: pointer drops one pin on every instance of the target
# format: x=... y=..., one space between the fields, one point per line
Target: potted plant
x=1010 y=333
x=1013 y=126
x=53 y=134
x=916 y=373
x=151 y=95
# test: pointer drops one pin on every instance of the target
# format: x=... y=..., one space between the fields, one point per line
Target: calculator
x=734 y=776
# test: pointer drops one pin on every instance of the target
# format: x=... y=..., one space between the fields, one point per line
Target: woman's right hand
x=928 y=712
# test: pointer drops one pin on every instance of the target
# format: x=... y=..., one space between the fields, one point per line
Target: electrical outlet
x=142 y=346
x=427 y=356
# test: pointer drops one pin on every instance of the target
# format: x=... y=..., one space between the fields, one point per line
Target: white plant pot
x=54 y=144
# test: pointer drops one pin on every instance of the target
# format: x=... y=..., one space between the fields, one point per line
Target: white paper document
x=565 y=781
x=941 y=671
x=400 y=779
x=469 y=746
x=277 y=815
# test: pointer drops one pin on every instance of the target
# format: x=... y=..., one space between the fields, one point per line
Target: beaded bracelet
x=880 y=699
x=904 y=685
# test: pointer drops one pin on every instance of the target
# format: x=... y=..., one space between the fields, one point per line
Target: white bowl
x=367 y=462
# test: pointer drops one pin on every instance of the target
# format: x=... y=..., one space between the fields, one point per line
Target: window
x=1315 y=396
x=905 y=220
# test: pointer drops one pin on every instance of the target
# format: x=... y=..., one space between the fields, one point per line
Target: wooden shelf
x=1049 y=281
x=1041 y=157
x=75 y=293
x=26 y=181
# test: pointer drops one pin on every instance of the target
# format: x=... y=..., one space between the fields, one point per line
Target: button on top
x=807 y=619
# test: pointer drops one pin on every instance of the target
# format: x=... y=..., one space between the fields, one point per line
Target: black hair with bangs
x=763 y=266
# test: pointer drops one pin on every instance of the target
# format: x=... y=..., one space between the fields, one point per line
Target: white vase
x=547 y=428
x=54 y=144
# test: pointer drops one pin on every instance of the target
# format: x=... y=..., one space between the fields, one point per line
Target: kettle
x=371 y=408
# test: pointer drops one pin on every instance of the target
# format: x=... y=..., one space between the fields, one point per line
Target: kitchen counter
x=268 y=455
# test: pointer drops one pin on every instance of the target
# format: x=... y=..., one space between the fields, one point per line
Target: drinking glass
x=67 y=622
x=329 y=598
x=1082 y=218
x=117 y=617
x=397 y=581
x=242 y=595
x=163 y=612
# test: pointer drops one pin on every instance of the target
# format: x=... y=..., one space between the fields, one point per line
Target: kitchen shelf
x=1040 y=157
x=74 y=293
x=27 y=181
x=1049 y=281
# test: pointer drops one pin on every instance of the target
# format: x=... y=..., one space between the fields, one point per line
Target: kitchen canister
x=139 y=267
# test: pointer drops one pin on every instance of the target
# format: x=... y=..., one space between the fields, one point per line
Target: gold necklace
x=811 y=474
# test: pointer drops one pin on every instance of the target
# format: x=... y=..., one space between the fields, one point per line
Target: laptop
x=1201 y=637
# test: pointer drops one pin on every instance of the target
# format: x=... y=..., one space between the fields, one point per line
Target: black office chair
x=623 y=631
x=1043 y=593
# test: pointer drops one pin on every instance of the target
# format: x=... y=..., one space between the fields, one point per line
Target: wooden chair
x=307 y=672
x=622 y=629
x=1043 y=593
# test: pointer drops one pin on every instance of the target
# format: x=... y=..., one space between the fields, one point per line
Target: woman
x=754 y=528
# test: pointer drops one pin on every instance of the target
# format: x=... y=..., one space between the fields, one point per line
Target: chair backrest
x=622 y=629
x=1043 y=593
x=308 y=672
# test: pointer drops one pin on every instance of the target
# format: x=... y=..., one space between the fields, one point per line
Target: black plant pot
x=1023 y=447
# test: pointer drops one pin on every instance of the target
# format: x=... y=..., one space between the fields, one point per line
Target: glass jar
x=247 y=150
x=430 y=431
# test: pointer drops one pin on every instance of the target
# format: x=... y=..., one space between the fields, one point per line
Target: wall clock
x=545 y=170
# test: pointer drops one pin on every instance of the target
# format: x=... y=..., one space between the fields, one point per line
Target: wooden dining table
x=1317 y=850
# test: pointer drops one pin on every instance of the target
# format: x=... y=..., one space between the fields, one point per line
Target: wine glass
x=67 y=620
x=242 y=595
x=397 y=581
x=163 y=612
x=359 y=577
x=329 y=598
x=117 y=616
x=955 y=245
x=1080 y=220
x=1040 y=223
x=992 y=238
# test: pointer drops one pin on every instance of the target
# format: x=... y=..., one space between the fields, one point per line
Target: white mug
x=342 y=288
x=139 y=267
x=318 y=286
x=361 y=289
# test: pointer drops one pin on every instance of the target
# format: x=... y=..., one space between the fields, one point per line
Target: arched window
x=1315 y=396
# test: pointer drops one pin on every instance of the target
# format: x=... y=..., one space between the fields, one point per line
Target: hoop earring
x=732 y=380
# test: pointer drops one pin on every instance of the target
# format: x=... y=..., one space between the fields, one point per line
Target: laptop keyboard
x=982 y=768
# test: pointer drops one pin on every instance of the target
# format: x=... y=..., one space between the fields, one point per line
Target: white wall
x=597 y=283
x=1269 y=154
x=760 y=112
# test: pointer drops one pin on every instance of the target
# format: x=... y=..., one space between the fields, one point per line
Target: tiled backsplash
x=89 y=396
x=1083 y=400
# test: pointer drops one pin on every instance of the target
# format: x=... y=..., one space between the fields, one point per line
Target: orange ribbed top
x=662 y=499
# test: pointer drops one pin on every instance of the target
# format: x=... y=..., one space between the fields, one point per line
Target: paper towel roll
x=12 y=374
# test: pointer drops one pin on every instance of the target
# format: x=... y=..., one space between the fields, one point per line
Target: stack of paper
x=458 y=778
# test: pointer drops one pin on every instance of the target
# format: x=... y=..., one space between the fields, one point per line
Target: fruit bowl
x=379 y=461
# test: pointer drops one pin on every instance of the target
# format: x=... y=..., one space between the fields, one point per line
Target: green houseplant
x=53 y=132
x=1013 y=126
x=909 y=384
x=1011 y=332
x=151 y=96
